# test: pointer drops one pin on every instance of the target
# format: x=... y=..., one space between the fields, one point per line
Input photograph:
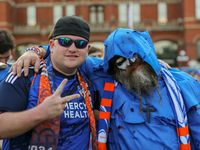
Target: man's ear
x=88 y=48
x=51 y=43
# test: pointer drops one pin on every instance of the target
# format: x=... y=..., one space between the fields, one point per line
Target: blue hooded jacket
x=129 y=128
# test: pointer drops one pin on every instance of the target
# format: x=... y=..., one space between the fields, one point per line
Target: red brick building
x=174 y=25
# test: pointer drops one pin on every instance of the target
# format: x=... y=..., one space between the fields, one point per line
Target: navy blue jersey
x=3 y=73
x=17 y=95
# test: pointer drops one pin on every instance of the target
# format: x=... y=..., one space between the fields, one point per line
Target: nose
x=72 y=48
x=131 y=61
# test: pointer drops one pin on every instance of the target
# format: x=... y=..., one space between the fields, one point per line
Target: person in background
x=197 y=75
x=6 y=46
x=95 y=52
x=52 y=109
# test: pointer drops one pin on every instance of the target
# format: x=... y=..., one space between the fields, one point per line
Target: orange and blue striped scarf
x=45 y=135
x=179 y=109
x=104 y=115
x=176 y=100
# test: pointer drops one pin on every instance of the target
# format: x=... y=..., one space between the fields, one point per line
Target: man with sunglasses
x=52 y=109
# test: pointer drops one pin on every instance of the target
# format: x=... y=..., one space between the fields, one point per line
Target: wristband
x=36 y=49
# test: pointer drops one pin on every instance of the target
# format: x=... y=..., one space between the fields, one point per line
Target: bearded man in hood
x=152 y=108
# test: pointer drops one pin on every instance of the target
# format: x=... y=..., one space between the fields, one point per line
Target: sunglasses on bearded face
x=122 y=62
x=66 y=42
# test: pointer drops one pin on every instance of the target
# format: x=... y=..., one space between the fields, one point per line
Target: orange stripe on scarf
x=102 y=146
x=109 y=86
x=182 y=131
x=106 y=102
x=185 y=146
x=104 y=115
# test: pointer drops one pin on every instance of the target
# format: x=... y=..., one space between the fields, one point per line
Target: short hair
x=94 y=49
x=51 y=35
x=6 y=41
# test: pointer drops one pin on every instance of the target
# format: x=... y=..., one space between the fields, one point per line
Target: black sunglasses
x=66 y=42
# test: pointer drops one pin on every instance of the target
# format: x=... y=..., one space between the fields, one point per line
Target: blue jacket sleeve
x=190 y=90
x=93 y=68
x=189 y=87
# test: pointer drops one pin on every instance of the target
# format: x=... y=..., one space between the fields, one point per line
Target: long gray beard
x=141 y=81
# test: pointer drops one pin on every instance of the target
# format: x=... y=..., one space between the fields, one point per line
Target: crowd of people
x=63 y=99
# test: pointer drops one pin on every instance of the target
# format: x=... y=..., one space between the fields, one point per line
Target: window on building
x=96 y=14
x=93 y=14
x=136 y=13
x=167 y=51
x=70 y=10
x=57 y=13
x=122 y=13
x=162 y=12
x=100 y=14
x=197 y=9
x=133 y=14
x=31 y=15
x=198 y=49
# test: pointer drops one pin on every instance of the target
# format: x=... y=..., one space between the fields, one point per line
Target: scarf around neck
x=45 y=135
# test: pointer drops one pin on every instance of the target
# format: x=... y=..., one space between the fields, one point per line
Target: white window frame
x=122 y=13
x=31 y=15
x=100 y=14
x=93 y=18
x=57 y=13
x=136 y=13
x=70 y=10
x=162 y=12
x=197 y=9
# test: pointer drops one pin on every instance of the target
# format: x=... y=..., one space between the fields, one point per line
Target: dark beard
x=141 y=81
